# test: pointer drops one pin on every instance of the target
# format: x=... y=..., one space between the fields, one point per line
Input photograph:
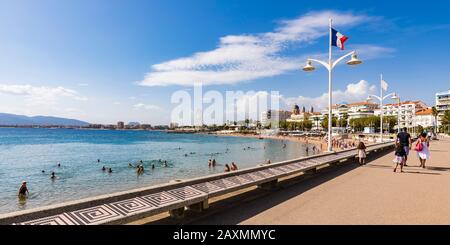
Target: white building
x=425 y=118
x=272 y=117
x=408 y=110
x=442 y=104
x=361 y=110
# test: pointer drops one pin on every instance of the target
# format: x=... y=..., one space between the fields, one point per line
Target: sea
x=31 y=154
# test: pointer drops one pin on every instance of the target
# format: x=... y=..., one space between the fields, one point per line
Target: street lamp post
x=381 y=99
x=330 y=66
x=397 y=97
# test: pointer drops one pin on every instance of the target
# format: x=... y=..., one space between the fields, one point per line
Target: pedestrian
x=404 y=138
x=23 y=190
x=422 y=148
x=400 y=155
x=362 y=153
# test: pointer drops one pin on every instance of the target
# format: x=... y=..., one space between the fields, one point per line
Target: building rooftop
x=424 y=112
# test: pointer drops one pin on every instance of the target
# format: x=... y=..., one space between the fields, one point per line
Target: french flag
x=338 y=39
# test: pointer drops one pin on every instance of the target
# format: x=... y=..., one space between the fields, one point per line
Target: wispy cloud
x=249 y=56
x=353 y=93
x=40 y=94
x=143 y=106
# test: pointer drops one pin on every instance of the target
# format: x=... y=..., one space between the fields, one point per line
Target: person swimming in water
x=130 y=165
x=233 y=167
x=214 y=162
x=209 y=163
x=110 y=170
x=227 y=168
x=153 y=166
x=23 y=190
x=43 y=171
x=165 y=164
x=103 y=168
x=53 y=176
x=98 y=160
x=59 y=165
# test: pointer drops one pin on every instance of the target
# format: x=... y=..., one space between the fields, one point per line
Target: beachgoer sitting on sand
x=23 y=190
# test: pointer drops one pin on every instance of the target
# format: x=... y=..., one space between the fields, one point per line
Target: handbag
x=419 y=146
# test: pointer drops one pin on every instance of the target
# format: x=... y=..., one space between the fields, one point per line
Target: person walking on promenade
x=361 y=153
x=404 y=138
x=400 y=155
x=422 y=148
x=23 y=190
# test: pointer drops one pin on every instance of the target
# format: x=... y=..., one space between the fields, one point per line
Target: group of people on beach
x=229 y=168
x=403 y=145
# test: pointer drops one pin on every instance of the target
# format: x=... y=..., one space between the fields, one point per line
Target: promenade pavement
x=372 y=194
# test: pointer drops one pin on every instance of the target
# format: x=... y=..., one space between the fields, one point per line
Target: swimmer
x=214 y=162
x=43 y=171
x=110 y=170
x=59 y=164
x=103 y=168
x=227 y=168
x=53 y=176
x=165 y=164
x=130 y=165
x=153 y=166
x=209 y=163
x=98 y=160
x=23 y=190
x=234 y=166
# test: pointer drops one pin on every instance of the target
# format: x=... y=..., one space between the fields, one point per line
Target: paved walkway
x=372 y=194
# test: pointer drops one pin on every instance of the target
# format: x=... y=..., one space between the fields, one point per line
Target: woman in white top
x=424 y=152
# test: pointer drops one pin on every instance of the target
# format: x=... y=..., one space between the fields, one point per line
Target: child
x=361 y=153
x=400 y=155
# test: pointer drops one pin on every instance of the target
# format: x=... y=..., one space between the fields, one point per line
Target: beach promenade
x=372 y=194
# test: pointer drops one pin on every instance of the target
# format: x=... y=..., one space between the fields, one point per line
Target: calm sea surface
x=24 y=153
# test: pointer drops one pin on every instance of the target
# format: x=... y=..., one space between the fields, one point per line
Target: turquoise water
x=24 y=153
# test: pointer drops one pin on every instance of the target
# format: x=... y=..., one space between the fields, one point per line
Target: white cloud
x=40 y=95
x=250 y=56
x=146 y=107
x=353 y=93
x=116 y=103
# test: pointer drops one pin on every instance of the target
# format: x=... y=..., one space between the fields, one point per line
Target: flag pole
x=330 y=74
x=381 y=108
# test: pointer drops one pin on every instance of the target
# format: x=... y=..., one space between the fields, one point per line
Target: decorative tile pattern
x=223 y=183
x=160 y=199
x=207 y=187
x=95 y=215
x=61 y=219
x=250 y=177
x=238 y=180
x=132 y=206
x=186 y=193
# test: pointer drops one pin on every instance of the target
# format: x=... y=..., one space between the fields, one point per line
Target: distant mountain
x=11 y=119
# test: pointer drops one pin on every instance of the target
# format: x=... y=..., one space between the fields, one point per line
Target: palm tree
x=445 y=120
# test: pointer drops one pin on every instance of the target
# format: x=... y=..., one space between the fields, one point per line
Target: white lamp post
x=397 y=97
x=330 y=66
x=380 y=98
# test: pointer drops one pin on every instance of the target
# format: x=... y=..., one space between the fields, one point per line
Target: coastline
x=306 y=140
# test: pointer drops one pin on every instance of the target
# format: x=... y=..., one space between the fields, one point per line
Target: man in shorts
x=404 y=138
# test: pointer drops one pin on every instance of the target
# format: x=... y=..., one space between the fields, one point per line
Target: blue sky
x=105 y=61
